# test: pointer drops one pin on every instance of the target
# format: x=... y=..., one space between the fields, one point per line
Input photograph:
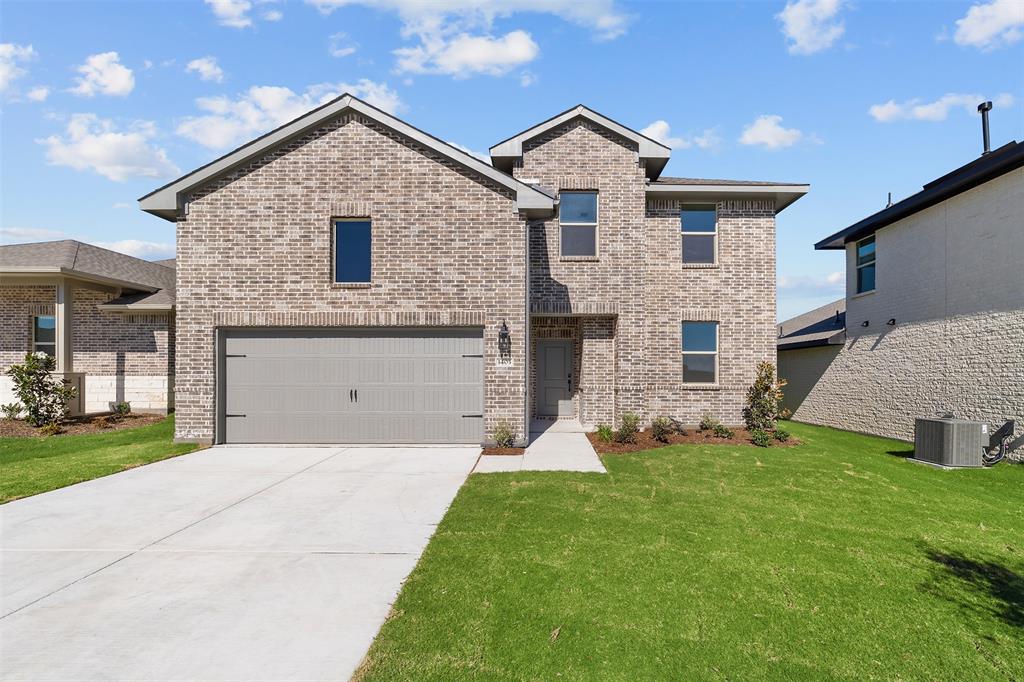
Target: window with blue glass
x=352 y=246
x=700 y=352
x=699 y=226
x=866 y=265
x=577 y=220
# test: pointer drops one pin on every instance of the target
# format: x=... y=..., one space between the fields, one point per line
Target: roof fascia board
x=166 y=201
x=86 y=278
x=131 y=307
x=783 y=195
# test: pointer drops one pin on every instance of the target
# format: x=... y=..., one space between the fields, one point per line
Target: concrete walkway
x=555 y=445
x=230 y=563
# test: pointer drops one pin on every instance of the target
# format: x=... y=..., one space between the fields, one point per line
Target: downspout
x=527 y=340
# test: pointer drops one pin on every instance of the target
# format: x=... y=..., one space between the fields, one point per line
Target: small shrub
x=662 y=429
x=628 y=428
x=722 y=431
x=605 y=433
x=760 y=438
x=504 y=435
x=51 y=429
x=11 y=410
x=708 y=423
x=763 y=398
x=121 y=409
x=44 y=397
x=781 y=435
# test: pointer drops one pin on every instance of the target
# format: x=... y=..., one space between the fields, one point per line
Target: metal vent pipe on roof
x=984 y=108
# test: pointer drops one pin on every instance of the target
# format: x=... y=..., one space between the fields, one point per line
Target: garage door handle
x=234 y=415
x=234 y=355
x=473 y=415
x=350 y=398
x=471 y=355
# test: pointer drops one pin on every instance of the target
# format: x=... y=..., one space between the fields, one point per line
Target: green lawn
x=836 y=559
x=29 y=466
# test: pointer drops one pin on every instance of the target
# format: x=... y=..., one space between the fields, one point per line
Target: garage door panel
x=412 y=385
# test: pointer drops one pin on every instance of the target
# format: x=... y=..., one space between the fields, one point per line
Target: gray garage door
x=352 y=386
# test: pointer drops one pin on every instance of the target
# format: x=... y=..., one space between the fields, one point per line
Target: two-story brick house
x=348 y=278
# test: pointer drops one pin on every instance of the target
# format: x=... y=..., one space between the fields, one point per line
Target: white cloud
x=662 y=132
x=38 y=93
x=811 y=25
x=833 y=283
x=17 y=235
x=207 y=69
x=916 y=110
x=12 y=58
x=465 y=55
x=991 y=25
x=92 y=143
x=526 y=79
x=233 y=13
x=340 y=46
x=104 y=74
x=767 y=131
x=455 y=36
x=229 y=122
x=273 y=15
x=141 y=249
x=486 y=158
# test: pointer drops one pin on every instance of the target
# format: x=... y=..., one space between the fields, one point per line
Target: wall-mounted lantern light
x=891 y=322
x=504 y=344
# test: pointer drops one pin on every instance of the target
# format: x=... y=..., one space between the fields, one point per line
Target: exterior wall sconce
x=864 y=323
x=504 y=343
x=891 y=322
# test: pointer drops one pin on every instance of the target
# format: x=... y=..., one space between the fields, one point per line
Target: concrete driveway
x=230 y=563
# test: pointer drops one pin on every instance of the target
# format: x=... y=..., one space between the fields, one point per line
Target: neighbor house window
x=700 y=352
x=44 y=335
x=866 y=265
x=352 y=251
x=577 y=221
x=699 y=225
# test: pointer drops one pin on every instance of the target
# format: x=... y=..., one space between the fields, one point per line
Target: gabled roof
x=999 y=162
x=86 y=262
x=505 y=153
x=824 y=326
x=167 y=201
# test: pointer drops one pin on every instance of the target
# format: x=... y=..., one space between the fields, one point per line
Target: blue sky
x=102 y=102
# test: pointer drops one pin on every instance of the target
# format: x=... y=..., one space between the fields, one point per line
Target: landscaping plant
x=662 y=428
x=763 y=398
x=504 y=435
x=605 y=433
x=44 y=397
x=760 y=438
x=628 y=428
x=781 y=435
x=722 y=431
x=11 y=410
x=121 y=409
x=708 y=423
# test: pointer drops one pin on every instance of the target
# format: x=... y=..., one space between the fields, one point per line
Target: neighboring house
x=934 y=307
x=107 y=319
x=807 y=345
x=348 y=278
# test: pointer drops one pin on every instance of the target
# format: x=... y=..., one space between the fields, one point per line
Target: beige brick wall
x=255 y=248
x=639 y=276
x=124 y=357
x=951 y=278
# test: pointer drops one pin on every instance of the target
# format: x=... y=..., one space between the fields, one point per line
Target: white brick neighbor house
x=348 y=278
x=107 y=318
x=934 y=310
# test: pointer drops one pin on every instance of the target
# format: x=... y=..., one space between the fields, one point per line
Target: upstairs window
x=352 y=241
x=44 y=335
x=866 y=265
x=577 y=223
x=699 y=226
x=700 y=352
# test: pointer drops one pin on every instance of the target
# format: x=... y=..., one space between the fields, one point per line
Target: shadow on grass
x=905 y=454
x=986 y=587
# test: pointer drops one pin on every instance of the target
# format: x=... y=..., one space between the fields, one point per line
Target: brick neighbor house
x=348 y=278
x=933 y=319
x=107 y=319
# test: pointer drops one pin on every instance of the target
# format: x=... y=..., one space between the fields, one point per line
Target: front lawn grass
x=835 y=559
x=33 y=465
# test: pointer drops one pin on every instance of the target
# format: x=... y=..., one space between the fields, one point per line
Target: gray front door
x=352 y=386
x=554 y=378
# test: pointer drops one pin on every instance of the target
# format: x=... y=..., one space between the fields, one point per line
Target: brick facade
x=255 y=249
x=123 y=357
x=630 y=356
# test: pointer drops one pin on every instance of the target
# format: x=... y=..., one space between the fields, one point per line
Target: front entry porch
x=572 y=368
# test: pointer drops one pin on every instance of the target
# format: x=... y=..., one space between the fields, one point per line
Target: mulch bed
x=510 y=452
x=645 y=441
x=16 y=428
